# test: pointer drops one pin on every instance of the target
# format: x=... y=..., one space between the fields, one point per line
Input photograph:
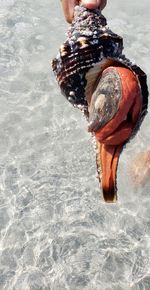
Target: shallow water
x=56 y=232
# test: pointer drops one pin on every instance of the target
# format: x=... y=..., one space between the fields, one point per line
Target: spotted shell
x=91 y=72
x=89 y=44
x=90 y=48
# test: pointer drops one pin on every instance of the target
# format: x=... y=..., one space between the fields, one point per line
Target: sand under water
x=56 y=232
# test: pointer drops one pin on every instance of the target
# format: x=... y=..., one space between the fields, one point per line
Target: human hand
x=68 y=6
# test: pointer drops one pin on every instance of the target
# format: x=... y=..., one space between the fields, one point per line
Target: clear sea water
x=55 y=230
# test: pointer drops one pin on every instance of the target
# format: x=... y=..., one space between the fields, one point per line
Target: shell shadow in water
x=96 y=77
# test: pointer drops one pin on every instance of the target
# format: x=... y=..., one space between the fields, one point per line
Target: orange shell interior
x=112 y=137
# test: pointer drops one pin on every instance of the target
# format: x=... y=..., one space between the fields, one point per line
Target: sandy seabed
x=55 y=230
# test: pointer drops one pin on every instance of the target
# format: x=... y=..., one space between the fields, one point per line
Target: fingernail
x=91 y=4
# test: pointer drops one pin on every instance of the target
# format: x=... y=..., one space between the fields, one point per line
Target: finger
x=68 y=8
x=102 y=4
x=93 y=4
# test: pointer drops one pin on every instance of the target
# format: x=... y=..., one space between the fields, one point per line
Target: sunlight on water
x=56 y=232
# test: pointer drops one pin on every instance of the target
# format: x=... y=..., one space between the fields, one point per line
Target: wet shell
x=90 y=48
x=89 y=45
x=92 y=72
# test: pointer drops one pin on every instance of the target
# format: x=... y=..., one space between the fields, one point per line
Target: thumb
x=68 y=8
x=93 y=4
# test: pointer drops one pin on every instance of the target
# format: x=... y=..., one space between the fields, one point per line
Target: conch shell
x=96 y=77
